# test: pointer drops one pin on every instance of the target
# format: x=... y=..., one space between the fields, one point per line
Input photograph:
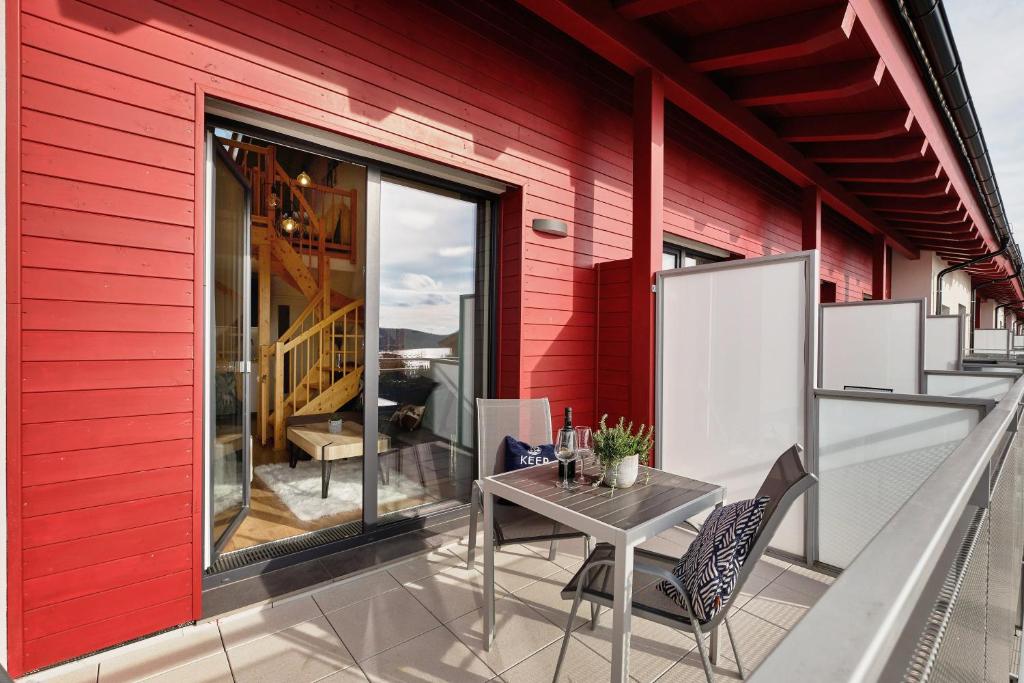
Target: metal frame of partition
x=961 y=335
x=810 y=259
x=865 y=627
x=922 y=303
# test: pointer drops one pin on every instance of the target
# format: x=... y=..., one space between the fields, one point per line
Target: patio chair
x=786 y=482
x=528 y=420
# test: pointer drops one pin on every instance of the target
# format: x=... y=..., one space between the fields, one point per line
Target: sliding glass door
x=432 y=242
x=227 y=406
x=347 y=341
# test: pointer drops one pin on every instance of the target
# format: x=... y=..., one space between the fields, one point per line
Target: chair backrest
x=526 y=419
x=786 y=481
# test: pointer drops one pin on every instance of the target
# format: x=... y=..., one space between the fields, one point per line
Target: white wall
x=987 y=316
x=915 y=278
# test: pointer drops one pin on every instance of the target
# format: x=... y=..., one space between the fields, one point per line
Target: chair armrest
x=660 y=572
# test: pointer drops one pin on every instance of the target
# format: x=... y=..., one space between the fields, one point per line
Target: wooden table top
x=317 y=440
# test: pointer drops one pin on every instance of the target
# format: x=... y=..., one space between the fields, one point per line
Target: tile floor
x=420 y=620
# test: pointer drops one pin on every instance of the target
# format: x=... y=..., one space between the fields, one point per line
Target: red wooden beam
x=951 y=218
x=632 y=47
x=867 y=152
x=905 y=172
x=872 y=125
x=932 y=226
x=808 y=84
x=925 y=206
x=637 y=9
x=648 y=203
x=810 y=218
x=774 y=39
x=931 y=188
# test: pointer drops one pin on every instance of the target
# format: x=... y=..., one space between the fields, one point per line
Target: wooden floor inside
x=270 y=519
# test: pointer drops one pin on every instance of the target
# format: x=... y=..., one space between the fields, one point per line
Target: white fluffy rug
x=299 y=488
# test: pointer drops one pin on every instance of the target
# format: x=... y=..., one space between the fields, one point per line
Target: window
x=827 y=292
x=679 y=256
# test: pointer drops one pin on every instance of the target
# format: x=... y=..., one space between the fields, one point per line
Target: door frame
x=485 y=191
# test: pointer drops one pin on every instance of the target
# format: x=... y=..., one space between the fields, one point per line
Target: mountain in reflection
x=400 y=339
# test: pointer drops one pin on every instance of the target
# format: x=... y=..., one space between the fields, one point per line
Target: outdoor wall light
x=551 y=226
x=304 y=179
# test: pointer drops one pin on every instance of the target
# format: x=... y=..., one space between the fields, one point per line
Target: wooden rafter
x=771 y=40
x=637 y=9
x=875 y=125
x=904 y=172
x=808 y=84
x=931 y=188
x=926 y=206
x=867 y=151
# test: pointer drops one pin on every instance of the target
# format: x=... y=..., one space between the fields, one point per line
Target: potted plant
x=334 y=423
x=620 y=451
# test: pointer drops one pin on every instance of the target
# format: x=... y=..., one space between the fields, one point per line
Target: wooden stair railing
x=324 y=364
x=310 y=316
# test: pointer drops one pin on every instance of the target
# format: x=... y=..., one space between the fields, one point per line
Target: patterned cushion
x=709 y=566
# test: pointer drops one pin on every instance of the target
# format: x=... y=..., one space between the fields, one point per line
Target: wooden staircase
x=316 y=366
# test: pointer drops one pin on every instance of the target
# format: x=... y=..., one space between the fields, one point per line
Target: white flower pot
x=623 y=475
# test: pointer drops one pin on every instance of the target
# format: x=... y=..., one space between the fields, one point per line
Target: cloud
x=419 y=282
x=415 y=218
x=455 y=252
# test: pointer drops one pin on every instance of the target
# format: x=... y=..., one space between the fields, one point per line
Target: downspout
x=961 y=266
x=974 y=294
x=928 y=30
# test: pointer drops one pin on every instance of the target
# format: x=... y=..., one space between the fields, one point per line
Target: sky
x=989 y=35
x=427 y=258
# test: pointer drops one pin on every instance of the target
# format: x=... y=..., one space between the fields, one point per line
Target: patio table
x=658 y=501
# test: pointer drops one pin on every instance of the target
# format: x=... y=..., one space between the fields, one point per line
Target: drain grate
x=275 y=549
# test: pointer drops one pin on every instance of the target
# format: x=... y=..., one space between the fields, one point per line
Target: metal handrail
x=854 y=629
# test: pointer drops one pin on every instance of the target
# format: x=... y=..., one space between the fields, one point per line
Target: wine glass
x=584 y=447
x=565 y=451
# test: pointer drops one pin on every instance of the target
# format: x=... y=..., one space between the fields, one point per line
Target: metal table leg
x=621 y=611
x=488 y=499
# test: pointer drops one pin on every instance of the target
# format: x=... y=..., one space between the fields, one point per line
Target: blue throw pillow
x=709 y=566
x=519 y=454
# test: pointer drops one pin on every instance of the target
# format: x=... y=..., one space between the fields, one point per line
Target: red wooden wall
x=104 y=456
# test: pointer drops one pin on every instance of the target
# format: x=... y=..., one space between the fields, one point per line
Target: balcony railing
x=933 y=594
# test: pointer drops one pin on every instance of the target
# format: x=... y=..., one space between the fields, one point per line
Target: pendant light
x=304 y=180
x=288 y=223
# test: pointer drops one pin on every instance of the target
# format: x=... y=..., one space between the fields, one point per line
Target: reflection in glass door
x=228 y=424
x=431 y=368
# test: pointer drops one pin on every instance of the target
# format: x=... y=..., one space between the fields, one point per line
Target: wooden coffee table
x=322 y=445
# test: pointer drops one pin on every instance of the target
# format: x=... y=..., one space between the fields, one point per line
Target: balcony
x=904 y=563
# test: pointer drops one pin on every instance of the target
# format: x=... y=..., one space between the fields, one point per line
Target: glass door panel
x=229 y=447
x=431 y=327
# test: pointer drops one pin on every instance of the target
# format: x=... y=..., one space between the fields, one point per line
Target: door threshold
x=261 y=581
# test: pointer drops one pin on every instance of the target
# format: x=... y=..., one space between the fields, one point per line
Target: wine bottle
x=567 y=429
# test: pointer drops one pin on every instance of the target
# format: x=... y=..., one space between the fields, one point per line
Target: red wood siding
x=614 y=304
x=104 y=459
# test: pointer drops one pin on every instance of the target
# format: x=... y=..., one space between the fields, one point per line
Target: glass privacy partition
x=943 y=342
x=735 y=366
x=875 y=450
x=872 y=346
x=993 y=385
x=991 y=342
